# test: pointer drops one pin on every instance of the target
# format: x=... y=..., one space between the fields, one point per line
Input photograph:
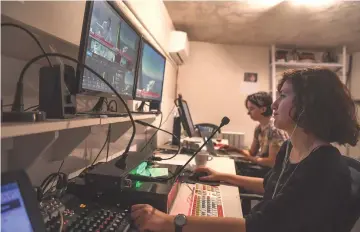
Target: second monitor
x=150 y=77
x=185 y=117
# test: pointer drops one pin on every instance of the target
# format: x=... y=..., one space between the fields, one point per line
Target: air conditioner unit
x=179 y=47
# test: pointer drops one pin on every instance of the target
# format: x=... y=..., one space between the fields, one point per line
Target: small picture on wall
x=250 y=77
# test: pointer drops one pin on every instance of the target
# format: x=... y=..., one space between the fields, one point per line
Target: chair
x=206 y=127
x=354 y=209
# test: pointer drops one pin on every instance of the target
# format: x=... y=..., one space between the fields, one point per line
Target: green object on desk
x=144 y=169
x=156 y=172
x=141 y=169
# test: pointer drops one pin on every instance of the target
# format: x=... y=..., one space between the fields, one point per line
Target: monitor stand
x=98 y=106
x=140 y=110
x=141 y=107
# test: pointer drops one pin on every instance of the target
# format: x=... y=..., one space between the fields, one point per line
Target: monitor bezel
x=28 y=195
x=184 y=121
x=142 y=43
x=84 y=43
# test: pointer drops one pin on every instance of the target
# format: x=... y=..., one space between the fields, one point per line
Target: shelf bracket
x=68 y=140
x=118 y=130
x=27 y=148
x=6 y=145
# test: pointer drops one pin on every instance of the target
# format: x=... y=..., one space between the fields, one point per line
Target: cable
x=52 y=178
x=19 y=96
x=158 y=128
x=109 y=106
x=62 y=163
x=107 y=140
x=31 y=107
x=29 y=33
x=148 y=141
x=167 y=117
x=102 y=148
x=108 y=143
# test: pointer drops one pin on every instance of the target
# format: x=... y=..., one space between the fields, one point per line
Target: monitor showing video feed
x=109 y=46
x=150 y=76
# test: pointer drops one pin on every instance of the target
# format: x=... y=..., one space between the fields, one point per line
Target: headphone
x=286 y=155
x=61 y=185
x=298 y=118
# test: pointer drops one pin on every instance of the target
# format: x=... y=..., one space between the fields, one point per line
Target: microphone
x=158 y=128
x=225 y=120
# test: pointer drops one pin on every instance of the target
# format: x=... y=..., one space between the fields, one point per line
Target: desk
x=197 y=140
x=230 y=195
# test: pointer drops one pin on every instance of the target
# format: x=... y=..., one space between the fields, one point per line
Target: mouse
x=195 y=177
x=222 y=151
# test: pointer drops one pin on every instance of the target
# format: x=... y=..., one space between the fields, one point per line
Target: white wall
x=355 y=92
x=212 y=83
x=69 y=32
x=355 y=76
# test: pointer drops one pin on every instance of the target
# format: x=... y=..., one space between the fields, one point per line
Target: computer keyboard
x=206 y=201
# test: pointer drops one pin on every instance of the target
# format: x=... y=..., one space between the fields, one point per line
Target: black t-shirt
x=314 y=199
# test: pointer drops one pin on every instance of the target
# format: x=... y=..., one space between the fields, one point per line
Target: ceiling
x=246 y=23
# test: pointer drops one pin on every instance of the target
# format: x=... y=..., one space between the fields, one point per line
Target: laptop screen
x=13 y=212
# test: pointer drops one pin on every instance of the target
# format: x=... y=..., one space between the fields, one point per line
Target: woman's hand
x=147 y=217
x=229 y=148
x=212 y=175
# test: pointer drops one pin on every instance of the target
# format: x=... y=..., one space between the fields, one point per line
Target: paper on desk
x=190 y=166
x=173 y=162
x=156 y=172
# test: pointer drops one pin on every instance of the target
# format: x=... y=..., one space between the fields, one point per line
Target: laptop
x=210 y=147
x=19 y=206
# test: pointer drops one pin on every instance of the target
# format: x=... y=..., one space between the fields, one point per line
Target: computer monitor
x=110 y=46
x=150 y=76
x=19 y=206
x=185 y=117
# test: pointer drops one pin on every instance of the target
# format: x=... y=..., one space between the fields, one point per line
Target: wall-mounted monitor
x=110 y=46
x=150 y=75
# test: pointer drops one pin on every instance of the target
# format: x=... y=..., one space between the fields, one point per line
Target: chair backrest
x=206 y=127
x=354 y=213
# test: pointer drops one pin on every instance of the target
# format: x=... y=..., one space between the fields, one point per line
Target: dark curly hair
x=328 y=109
x=261 y=99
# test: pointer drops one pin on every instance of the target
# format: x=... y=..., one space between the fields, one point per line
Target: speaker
x=155 y=105
x=54 y=96
x=176 y=131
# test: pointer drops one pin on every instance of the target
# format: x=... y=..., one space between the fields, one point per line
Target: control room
x=156 y=115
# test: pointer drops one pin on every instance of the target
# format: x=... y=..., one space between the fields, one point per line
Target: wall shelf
x=27 y=141
x=9 y=130
x=110 y=120
x=281 y=65
x=307 y=64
